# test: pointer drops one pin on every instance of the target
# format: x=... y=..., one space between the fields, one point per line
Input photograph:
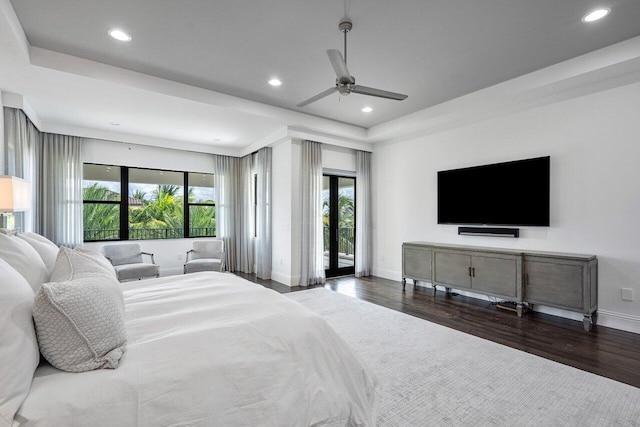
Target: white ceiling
x=210 y=60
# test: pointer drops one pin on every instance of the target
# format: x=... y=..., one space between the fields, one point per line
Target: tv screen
x=511 y=193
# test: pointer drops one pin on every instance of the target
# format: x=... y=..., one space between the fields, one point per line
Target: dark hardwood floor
x=607 y=352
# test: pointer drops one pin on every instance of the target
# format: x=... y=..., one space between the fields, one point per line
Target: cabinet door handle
x=469 y=271
x=473 y=272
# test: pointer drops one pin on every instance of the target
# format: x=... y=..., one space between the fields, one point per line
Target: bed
x=211 y=349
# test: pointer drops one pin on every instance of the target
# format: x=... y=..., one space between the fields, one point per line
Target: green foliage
x=100 y=216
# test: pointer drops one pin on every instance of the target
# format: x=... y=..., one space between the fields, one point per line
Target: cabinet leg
x=404 y=283
x=587 y=322
x=519 y=309
x=594 y=318
x=434 y=290
x=415 y=283
x=447 y=290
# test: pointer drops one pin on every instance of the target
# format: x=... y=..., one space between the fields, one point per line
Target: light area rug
x=431 y=375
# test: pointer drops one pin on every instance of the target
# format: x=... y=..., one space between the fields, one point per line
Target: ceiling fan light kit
x=345 y=82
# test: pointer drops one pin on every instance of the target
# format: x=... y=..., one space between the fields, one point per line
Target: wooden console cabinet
x=565 y=281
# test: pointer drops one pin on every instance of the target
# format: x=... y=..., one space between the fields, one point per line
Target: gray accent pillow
x=80 y=323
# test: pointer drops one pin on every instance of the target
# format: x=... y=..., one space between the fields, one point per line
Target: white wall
x=123 y=154
x=594 y=144
x=281 y=213
x=169 y=254
x=338 y=158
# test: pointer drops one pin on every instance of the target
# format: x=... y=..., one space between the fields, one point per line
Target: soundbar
x=489 y=231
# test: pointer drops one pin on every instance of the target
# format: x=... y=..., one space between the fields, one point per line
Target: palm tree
x=101 y=221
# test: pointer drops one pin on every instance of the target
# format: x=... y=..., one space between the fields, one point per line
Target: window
x=101 y=192
x=201 y=210
x=155 y=206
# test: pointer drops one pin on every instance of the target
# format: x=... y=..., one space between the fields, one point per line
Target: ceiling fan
x=345 y=82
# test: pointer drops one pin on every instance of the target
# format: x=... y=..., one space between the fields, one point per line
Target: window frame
x=124 y=203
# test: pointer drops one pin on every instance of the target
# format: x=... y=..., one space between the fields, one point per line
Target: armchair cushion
x=123 y=253
x=207 y=249
x=204 y=264
x=136 y=271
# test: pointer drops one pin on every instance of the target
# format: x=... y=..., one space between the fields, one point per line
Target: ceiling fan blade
x=317 y=97
x=339 y=66
x=364 y=90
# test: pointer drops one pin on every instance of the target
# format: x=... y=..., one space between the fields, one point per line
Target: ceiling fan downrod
x=345 y=26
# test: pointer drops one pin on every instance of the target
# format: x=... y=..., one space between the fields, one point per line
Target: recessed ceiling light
x=275 y=82
x=596 y=15
x=119 y=35
x=367 y=109
x=217 y=140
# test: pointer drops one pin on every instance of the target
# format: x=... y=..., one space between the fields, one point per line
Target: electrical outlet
x=626 y=294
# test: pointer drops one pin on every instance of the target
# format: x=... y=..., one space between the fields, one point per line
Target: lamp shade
x=15 y=194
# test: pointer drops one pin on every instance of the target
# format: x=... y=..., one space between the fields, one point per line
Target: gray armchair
x=206 y=255
x=128 y=262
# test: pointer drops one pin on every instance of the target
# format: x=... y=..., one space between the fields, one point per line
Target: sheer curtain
x=311 y=189
x=244 y=215
x=225 y=183
x=263 y=217
x=59 y=189
x=363 y=214
x=21 y=139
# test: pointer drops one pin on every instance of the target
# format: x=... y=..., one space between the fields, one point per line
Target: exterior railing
x=346 y=239
x=148 y=233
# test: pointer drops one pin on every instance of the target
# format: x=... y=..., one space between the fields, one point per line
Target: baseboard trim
x=622 y=321
x=386 y=274
x=281 y=278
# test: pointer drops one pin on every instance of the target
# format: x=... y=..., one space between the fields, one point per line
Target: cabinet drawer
x=496 y=275
x=452 y=269
x=558 y=283
x=416 y=263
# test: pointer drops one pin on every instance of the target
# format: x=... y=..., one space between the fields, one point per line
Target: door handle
x=469 y=271
x=473 y=272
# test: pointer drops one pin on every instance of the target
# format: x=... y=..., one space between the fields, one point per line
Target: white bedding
x=212 y=349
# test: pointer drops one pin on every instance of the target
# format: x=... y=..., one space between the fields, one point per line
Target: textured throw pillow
x=19 y=355
x=99 y=258
x=79 y=263
x=47 y=250
x=24 y=259
x=80 y=323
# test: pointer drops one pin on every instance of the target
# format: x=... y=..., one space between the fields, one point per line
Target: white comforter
x=212 y=349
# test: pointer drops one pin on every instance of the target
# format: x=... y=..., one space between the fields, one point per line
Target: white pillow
x=79 y=263
x=19 y=355
x=7 y=231
x=47 y=250
x=24 y=259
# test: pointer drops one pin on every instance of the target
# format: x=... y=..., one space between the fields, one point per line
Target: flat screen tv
x=511 y=193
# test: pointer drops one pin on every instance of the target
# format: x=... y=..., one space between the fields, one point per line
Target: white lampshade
x=15 y=194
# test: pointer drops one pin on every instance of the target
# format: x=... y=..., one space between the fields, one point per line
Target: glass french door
x=339 y=224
